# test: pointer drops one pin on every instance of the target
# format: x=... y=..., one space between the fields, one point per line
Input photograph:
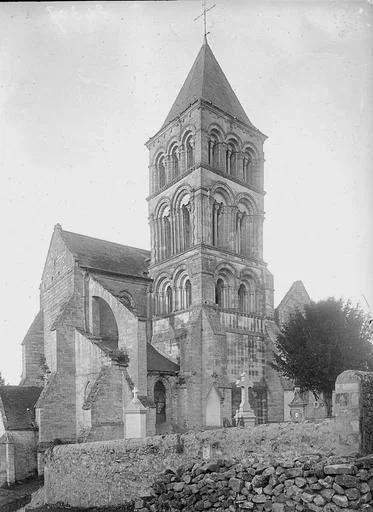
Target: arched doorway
x=160 y=403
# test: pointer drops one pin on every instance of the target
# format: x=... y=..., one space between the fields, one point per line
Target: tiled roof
x=207 y=81
x=107 y=256
x=158 y=362
x=18 y=403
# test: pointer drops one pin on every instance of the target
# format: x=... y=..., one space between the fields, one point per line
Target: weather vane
x=204 y=11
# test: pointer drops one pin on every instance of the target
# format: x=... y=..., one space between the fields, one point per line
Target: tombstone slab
x=353 y=410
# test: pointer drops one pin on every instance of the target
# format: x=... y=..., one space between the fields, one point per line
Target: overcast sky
x=84 y=85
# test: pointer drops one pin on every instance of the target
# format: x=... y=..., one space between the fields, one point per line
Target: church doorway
x=160 y=403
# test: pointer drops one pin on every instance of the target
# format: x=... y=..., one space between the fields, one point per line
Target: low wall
x=309 y=483
x=113 y=472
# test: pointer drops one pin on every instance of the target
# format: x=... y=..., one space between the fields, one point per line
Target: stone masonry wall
x=57 y=287
x=24 y=453
x=113 y=472
x=307 y=483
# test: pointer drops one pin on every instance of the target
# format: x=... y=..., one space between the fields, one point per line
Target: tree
x=2 y=380
x=320 y=342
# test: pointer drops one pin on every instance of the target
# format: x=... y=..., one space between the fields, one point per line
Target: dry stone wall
x=303 y=484
x=113 y=472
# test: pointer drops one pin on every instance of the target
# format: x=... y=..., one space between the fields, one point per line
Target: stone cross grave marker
x=245 y=413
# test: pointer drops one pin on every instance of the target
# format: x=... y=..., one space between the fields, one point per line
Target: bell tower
x=212 y=291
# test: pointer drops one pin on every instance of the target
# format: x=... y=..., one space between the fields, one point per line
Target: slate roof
x=107 y=256
x=206 y=81
x=297 y=288
x=16 y=400
x=158 y=362
x=36 y=327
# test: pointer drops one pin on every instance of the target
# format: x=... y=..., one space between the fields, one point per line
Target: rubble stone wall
x=114 y=472
x=307 y=483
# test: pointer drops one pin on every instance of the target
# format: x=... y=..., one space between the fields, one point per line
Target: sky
x=84 y=85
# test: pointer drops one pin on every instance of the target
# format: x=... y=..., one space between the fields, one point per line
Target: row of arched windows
x=236 y=227
x=227 y=156
x=172 y=229
x=172 y=295
x=228 y=222
x=178 y=159
x=247 y=298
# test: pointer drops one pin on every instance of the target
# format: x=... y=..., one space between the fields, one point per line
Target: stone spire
x=206 y=81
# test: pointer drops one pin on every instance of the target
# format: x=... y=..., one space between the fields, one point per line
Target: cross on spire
x=204 y=11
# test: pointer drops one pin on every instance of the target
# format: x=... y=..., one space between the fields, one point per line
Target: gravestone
x=297 y=406
x=135 y=418
x=353 y=410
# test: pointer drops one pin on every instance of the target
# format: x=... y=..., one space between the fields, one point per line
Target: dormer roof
x=206 y=81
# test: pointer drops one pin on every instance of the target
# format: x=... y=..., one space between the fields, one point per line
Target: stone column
x=194 y=208
x=258 y=172
x=232 y=227
x=152 y=238
x=206 y=211
x=201 y=148
x=182 y=160
x=173 y=232
x=159 y=239
x=215 y=211
x=152 y=186
x=177 y=230
x=168 y=168
x=239 y=164
x=260 y=236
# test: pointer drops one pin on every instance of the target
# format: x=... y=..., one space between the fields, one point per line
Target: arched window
x=251 y=296
x=219 y=290
x=247 y=166
x=188 y=294
x=183 y=223
x=217 y=224
x=186 y=226
x=166 y=235
x=239 y=226
x=174 y=161
x=161 y=172
x=214 y=151
x=169 y=305
x=189 y=152
x=160 y=403
x=242 y=299
x=230 y=159
x=246 y=229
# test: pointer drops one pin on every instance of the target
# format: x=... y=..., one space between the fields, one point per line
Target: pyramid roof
x=207 y=81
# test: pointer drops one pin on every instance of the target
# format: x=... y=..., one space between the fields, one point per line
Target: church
x=180 y=323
